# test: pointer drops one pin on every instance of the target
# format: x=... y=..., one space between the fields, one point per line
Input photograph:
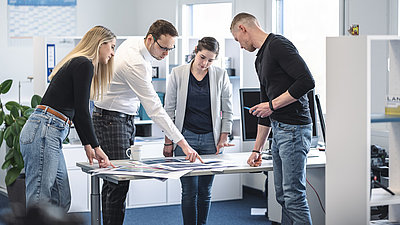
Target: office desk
x=239 y=159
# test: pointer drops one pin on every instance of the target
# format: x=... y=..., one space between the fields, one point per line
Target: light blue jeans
x=290 y=145
x=46 y=177
x=196 y=190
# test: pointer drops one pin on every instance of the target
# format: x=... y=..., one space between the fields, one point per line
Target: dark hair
x=162 y=27
x=208 y=43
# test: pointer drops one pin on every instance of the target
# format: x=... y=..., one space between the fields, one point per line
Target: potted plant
x=12 y=118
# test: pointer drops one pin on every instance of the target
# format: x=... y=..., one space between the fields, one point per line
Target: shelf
x=383 y=222
x=158 y=79
x=236 y=117
x=381 y=197
x=149 y=140
x=383 y=118
x=137 y=122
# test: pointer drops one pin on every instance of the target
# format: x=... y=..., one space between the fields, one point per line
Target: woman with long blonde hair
x=83 y=74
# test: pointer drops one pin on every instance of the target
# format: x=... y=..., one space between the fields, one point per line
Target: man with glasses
x=113 y=116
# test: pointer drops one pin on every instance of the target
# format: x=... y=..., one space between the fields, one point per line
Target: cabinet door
x=227 y=187
x=149 y=192
x=78 y=180
x=174 y=191
x=79 y=185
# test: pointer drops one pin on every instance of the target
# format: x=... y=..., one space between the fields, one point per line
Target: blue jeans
x=290 y=145
x=46 y=177
x=196 y=190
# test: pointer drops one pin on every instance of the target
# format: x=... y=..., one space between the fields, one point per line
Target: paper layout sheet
x=163 y=168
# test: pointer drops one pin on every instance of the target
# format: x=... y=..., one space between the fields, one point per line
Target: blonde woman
x=84 y=73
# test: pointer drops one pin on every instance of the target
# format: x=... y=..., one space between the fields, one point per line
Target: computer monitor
x=250 y=97
x=313 y=112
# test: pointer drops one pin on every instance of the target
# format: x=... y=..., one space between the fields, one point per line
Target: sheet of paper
x=131 y=170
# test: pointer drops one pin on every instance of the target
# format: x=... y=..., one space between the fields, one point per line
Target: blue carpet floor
x=235 y=212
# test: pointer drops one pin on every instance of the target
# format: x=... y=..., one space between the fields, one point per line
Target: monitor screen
x=250 y=97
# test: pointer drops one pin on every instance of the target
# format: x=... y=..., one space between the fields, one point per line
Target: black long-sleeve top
x=69 y=93
x=198 y=117
x=280 y=68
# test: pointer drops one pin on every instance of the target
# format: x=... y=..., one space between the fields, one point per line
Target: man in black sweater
x=284 y=82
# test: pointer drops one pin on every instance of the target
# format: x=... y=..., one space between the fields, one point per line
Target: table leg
x=95 y=201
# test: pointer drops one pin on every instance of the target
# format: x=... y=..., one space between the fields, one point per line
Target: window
x=307 y=23
x=212 y=19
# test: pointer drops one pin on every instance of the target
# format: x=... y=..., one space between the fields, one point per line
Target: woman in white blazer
x=199 y=101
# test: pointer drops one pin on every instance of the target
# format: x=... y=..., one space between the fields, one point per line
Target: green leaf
x=14 y=112
x=7 y=132
x=16 y=143
x=24 y=107
x=1 y=136
x=28 y=112
x=6 y=164
x=12 y=175
x=9 y=155
x=11 y=104
x=13 y=130
x=2 y=116
x=10 y=140
x=36 y=99
x=21 y=121
x=18 y=159
x=5 y=86
x=9 y=120
x=66 y=141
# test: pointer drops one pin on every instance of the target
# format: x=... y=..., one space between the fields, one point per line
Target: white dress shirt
x=131 y=85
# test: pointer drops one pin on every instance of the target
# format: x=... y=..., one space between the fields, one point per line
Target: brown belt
x=55 y=113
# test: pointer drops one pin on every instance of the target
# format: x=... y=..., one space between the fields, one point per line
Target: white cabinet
x=78 y=181
x=356 y=67
x=149 y=192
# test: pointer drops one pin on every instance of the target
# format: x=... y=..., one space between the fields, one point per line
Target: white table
x=239 y=160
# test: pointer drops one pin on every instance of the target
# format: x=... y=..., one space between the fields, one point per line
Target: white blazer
x=220 y=96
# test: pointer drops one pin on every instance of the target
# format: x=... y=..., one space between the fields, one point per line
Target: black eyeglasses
x=163 y=48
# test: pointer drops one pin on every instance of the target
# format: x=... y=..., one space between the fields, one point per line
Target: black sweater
x=69 y=93
x=280 y=68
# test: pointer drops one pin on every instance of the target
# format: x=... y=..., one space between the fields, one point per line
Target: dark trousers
x=116 y=133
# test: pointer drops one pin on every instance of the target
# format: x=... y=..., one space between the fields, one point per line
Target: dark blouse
x=198 y=106
x=69 y=93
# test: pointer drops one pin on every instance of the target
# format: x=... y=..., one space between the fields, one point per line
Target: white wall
x=123 y=17
x=374 y=17
x=15 y=61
